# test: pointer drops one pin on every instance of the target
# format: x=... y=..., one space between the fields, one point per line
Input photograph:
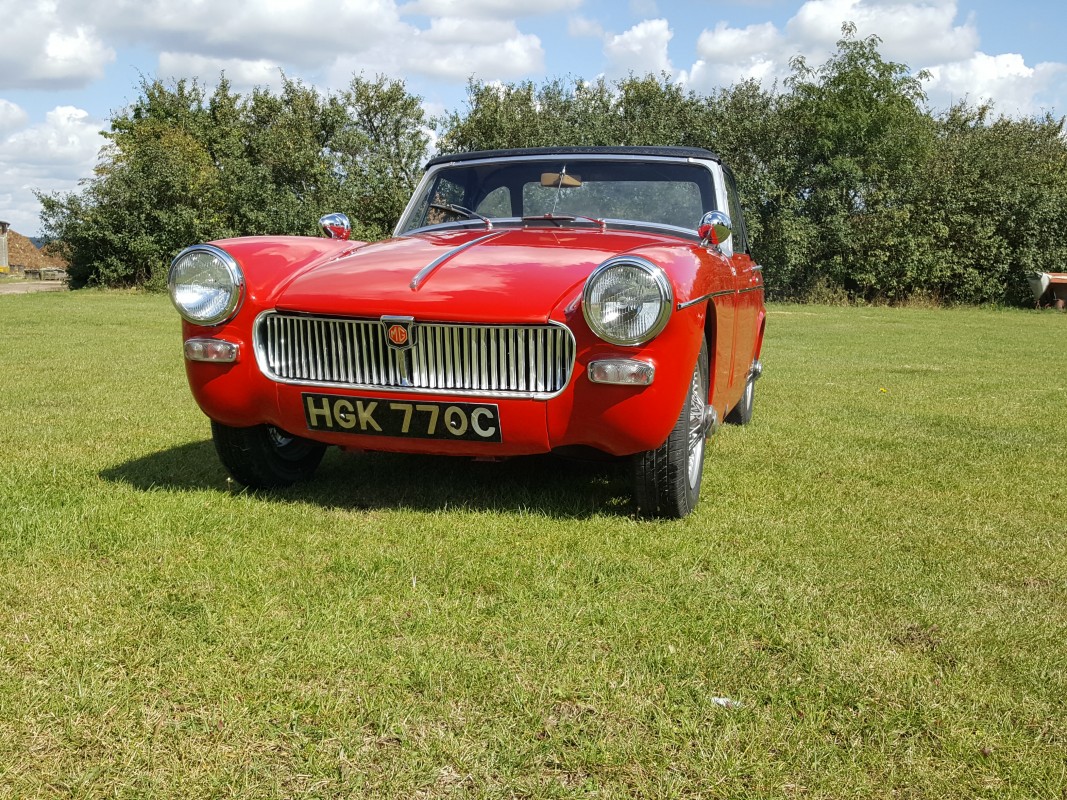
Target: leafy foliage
x=853 y=188
x=183 y=167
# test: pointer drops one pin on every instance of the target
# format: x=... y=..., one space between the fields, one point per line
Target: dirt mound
x=21 y=252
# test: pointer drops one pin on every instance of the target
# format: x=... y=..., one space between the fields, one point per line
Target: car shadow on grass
x=548 y=485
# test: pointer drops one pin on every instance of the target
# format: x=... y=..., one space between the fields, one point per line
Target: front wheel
x=265 y=457
x=666 y=480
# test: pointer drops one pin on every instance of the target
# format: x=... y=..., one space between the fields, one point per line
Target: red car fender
x=623 y=420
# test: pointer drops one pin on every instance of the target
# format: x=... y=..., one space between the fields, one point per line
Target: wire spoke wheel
x=698 y=409
x=666 y=480
x=265 y=457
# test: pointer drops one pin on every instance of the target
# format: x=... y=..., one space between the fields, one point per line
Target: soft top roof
x=673 y=152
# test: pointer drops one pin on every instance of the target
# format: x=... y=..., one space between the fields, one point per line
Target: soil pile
x=22 y=253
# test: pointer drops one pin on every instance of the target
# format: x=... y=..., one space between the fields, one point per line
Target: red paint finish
x=529 y=275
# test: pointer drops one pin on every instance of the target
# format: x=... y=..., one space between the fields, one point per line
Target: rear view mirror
x=336 y=226
x=560 y=180
x=715 y=228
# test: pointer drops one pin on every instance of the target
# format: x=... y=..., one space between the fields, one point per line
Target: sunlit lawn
x=871 y=600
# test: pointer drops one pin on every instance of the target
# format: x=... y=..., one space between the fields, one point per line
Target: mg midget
x=585 y=301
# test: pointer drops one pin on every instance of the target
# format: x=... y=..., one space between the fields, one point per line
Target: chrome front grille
x=445 y=358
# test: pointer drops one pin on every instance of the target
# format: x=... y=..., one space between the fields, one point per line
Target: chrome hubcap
x=278 y=438
x=697 y=428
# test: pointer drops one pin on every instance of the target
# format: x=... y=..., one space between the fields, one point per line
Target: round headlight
x=627 y=300
x=205 y=285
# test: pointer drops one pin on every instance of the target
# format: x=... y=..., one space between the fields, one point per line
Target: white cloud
x=43 y=49
x=288 y=32
x=452 y=51
x=1006 y=80
x=51 y=157
x=454 y=31
x=67 y=136
x=253 y=39
x=644 y=8
x=475 y=9
x=730 y=55
x=516 y=56
x=583 y=26
x=641 y=49
x=727 y=45
x=11 y=116
x=243 y=75
x=910 y=30
x=919 y=33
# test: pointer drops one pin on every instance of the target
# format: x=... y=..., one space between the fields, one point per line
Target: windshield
x=649 y=191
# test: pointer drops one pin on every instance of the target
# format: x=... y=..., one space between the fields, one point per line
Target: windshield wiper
x=463 y=212
x=550 y=217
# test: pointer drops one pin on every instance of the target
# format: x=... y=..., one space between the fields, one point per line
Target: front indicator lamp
x=622 y=371
x=216 y=350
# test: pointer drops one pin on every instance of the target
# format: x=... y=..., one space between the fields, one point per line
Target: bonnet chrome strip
x=429 y=269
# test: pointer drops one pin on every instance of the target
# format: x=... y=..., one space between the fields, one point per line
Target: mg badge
x=399 y=331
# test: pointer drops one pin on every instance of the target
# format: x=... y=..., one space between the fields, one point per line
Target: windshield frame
x=416 y=205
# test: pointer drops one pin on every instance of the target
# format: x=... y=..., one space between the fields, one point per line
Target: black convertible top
x=672 y=152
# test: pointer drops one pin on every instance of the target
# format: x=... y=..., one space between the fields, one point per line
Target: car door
x=749 y=299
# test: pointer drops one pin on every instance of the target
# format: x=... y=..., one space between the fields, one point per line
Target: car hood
x=502 y=275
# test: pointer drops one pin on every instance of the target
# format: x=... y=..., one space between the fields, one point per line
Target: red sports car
x=583 y=300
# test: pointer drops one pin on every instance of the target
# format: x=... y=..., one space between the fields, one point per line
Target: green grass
x=877 y=575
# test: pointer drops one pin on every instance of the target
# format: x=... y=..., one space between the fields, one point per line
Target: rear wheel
x=265 y=457
x=666 y=480
x=741 y=414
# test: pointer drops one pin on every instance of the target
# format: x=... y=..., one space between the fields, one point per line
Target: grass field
x=871 y=600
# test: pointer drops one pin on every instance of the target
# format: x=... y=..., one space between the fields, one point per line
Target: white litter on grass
x=726 y=702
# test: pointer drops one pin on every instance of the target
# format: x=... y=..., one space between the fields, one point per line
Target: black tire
x=666 y=480
x=741 y=414
x=265 y=457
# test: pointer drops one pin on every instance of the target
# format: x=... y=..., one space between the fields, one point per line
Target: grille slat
x=500 y=360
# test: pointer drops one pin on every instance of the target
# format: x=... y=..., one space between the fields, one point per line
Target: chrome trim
x=702 y=298
x=458 y=359
x=750 y=289
x=709 y=164
x=407 y=323
x=643 y=226
x=426 y=271
x=611 y=223
x=666 y=293
x=591 y=367
x=190 y=347
x=711 y=423
x=715 y=222
x=236 y=276
x=336 y=226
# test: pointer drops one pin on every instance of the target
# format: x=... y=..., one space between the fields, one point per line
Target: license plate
x=382 y=416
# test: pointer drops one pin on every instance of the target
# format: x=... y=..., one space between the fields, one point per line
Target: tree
x=849 y=183
x=381 y=148
x=995 y=201
x=859 y=139
x=181 y=168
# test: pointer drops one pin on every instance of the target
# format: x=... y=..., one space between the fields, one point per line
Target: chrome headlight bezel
x=222 y=275
x=592 y=307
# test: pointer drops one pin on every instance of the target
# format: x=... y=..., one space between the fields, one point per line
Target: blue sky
x=66 y=65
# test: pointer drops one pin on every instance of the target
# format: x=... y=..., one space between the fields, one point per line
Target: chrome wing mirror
x=715 y=228
x=336 y=226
